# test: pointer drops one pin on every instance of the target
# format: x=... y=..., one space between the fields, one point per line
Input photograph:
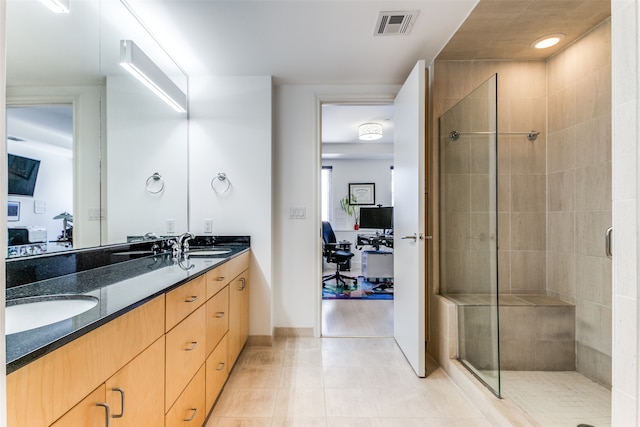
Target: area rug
x=362 y=290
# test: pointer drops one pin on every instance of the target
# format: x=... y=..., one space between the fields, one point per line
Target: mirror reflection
x=111 y=155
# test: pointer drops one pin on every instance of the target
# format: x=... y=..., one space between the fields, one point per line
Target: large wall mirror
x=95 y=157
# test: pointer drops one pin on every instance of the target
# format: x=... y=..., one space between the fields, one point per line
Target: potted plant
x=351 y=210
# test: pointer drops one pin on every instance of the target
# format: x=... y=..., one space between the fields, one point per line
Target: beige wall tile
x=560 y=231
x=528 y=157
x=562 y=109
x=456 y=193
x=528 y=193
x=555 y=323
x=561 y=191
x=561 y=275
x=593 y=187
x=528 y=231
x=593 y=141
x=561 y=150
x=594 y=279
x=528 y=271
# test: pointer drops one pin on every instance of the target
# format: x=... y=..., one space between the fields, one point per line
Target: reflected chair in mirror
x=335 y=255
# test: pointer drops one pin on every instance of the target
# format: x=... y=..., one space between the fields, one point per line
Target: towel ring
x=220 y=183
x=155 y=183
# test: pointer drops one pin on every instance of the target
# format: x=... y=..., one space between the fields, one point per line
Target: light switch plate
x=208 y=226
x=171 y=226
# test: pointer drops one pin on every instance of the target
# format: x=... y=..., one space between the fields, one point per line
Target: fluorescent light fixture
x=547 y=41
x=134 y=60
x=57 y=6
x=370 y=131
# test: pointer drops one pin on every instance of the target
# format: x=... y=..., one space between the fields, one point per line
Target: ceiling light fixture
x=370 y=131
x=134 y=60
x=547 y=41
x=57 y=6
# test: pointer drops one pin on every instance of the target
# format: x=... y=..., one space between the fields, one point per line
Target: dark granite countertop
x=119 y=288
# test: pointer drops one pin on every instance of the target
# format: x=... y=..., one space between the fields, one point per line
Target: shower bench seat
x=537 y=332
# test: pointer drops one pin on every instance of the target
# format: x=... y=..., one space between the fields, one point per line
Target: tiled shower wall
x=579 y=193
x=554 y=197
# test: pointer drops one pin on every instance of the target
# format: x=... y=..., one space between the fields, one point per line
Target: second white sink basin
x=207 y=252
x=29 y=313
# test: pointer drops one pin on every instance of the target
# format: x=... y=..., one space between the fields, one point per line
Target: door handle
x=414 y=237
x=607 y=243
x=107 y=413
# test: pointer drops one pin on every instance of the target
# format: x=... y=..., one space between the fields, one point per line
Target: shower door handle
x=607 y=242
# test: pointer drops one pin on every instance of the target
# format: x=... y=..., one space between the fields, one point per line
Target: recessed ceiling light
x=547 y=41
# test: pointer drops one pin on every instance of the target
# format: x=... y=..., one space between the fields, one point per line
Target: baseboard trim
x=294 y=332
x=260 y=340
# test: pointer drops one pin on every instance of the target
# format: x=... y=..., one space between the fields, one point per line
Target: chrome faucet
x=182 y=243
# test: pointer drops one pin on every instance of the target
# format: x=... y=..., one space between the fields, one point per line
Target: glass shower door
x=469 y=228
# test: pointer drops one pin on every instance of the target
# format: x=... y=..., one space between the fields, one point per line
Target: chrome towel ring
x=155 y=183
x=220 y=183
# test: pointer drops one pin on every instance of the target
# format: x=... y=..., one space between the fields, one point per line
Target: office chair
x=334 y=254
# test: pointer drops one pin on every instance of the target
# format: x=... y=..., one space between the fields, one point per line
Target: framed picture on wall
x=362 y=194
x=13 y=211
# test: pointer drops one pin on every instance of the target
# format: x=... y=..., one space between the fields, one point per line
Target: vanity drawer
x=217 y=318
x=189 y=409
x=222 y=275
x=184 y=300
x=217 y=369
x=185 y=354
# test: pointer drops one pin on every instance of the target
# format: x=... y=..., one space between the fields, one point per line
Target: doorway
x=357 y=197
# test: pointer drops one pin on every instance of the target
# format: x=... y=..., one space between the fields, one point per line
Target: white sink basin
x=29 y=313
x=207 y=252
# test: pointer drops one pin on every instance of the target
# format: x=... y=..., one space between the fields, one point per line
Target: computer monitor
x=380 y=218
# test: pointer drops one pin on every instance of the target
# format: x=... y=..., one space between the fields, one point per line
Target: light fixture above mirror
x=57 y=6
x=369 y=131
x=136 y=62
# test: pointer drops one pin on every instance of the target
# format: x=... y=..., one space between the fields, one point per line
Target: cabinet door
x=222 y=275
x=238 y=315
x=189 y=409
x=87 y=413
x=217 y=319
x=184 y=354
x=217 y=371
x=135 y=393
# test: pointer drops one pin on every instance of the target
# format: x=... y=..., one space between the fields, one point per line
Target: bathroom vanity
x=155 y=350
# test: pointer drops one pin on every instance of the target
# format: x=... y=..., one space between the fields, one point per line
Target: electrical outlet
x=208 y=226
x=171 y=226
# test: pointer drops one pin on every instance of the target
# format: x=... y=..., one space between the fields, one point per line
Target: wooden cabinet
x=185 y=300
x=217 y=372
x=189 y=409
x=44 y=390
x=185 y=354
x=217 y=318
x=163 y=363
x=238 y=315
x=90 y=412
x=135 y=393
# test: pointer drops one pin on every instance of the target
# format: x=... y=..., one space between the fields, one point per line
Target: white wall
x=144 y=136
x=296 y=242
x=3 y=215
x=625 y=16
x=54 y=186
x=230 y=131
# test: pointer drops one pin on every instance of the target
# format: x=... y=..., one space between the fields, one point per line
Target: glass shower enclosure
x=469 y=228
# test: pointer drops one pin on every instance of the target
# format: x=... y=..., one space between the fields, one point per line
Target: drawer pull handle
x=193 y=415
x=107 y=413
x=121 y=391
x=194 y=345
x=192 y=299
x=243 y=282
x=220 y=314
x=220 y=279
x=220 y=367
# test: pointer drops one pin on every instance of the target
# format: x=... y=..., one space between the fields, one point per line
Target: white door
x=409 y=218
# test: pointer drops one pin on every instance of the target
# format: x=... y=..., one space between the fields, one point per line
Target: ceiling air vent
x=395 y=23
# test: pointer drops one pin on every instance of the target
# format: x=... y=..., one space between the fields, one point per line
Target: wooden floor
x=357 y=318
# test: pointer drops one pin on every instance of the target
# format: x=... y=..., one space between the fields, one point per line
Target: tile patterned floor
x=558 y=399
x=338 y=382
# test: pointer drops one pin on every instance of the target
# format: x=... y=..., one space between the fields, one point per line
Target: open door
x=409 y=218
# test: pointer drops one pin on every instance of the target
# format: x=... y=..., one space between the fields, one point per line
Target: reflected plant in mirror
x=84 y=134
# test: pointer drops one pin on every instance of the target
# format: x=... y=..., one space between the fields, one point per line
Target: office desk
x=375 y=240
